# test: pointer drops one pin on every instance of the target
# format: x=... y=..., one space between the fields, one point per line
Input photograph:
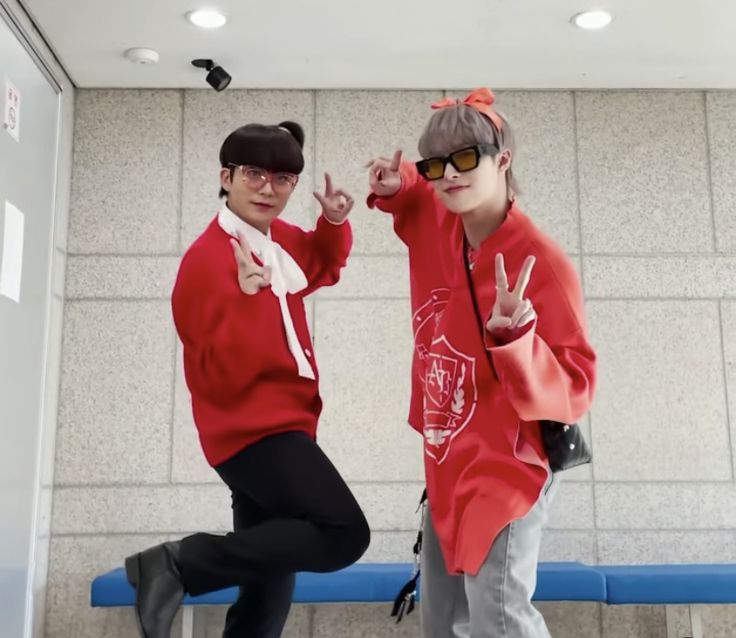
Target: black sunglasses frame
x=480 y=150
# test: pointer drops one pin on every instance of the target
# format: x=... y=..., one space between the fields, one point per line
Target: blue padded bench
x=361 y=583
x=690 y=585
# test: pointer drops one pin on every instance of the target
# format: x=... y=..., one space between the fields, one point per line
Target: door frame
x=30 y=36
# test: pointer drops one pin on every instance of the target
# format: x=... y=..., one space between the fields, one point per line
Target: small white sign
x=11 y=119
x=11 y=265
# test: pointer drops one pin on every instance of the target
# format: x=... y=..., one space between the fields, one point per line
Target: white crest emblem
x=450 y=396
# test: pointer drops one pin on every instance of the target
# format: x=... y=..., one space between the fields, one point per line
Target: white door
x=27 y=190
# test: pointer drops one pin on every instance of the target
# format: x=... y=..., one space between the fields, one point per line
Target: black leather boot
x=155 y=576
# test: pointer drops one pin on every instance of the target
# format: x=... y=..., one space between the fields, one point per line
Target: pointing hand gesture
x=384 y=178
x=336 y=203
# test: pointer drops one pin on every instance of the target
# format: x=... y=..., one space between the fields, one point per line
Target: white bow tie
x=286 y=277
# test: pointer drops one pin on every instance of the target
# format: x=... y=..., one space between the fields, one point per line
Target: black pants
x=292 y=512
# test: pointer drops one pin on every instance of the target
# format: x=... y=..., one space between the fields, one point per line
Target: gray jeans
x=496 y=603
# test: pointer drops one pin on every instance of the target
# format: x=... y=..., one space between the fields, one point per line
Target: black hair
x=275 y=148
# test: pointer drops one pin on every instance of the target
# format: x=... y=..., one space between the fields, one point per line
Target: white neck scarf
x=286 y=277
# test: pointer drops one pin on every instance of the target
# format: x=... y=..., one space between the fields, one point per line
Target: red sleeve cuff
x=329 y=221
x=324 y=225
x=335 y=238
x=382 y=203
x=409 y=177
x=507 y=337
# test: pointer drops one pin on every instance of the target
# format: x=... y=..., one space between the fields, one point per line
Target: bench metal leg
x=696 y=621
x=187 y=622
x=670 y=620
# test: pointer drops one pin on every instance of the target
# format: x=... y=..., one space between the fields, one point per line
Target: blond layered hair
x=455 y=127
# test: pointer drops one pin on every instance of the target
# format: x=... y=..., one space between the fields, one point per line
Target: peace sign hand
x=251 y=276
x=336 y=203
x=511 y=311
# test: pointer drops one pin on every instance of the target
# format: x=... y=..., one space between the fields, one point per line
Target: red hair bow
x=480 y=99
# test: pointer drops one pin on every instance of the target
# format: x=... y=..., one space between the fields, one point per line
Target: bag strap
x=478 y=315
x=476 y=307
x=406 y=598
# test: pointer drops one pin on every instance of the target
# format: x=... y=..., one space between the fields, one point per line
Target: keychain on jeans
x=406 y=600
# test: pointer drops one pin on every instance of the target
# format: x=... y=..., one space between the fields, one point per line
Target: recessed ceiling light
x=592 y=20
x=206 y=18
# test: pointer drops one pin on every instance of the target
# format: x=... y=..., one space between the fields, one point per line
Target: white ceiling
x=385 y=44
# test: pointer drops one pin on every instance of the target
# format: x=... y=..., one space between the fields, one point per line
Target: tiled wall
x=639 y=187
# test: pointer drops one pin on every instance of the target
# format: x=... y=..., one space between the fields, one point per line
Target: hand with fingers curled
x=336 y=203
x=511 y=311
x=384 y=177
x=251 y=276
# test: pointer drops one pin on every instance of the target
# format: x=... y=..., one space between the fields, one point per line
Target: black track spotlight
x=217 y=77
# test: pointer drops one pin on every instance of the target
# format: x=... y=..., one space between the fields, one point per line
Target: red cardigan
x=241 y=374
